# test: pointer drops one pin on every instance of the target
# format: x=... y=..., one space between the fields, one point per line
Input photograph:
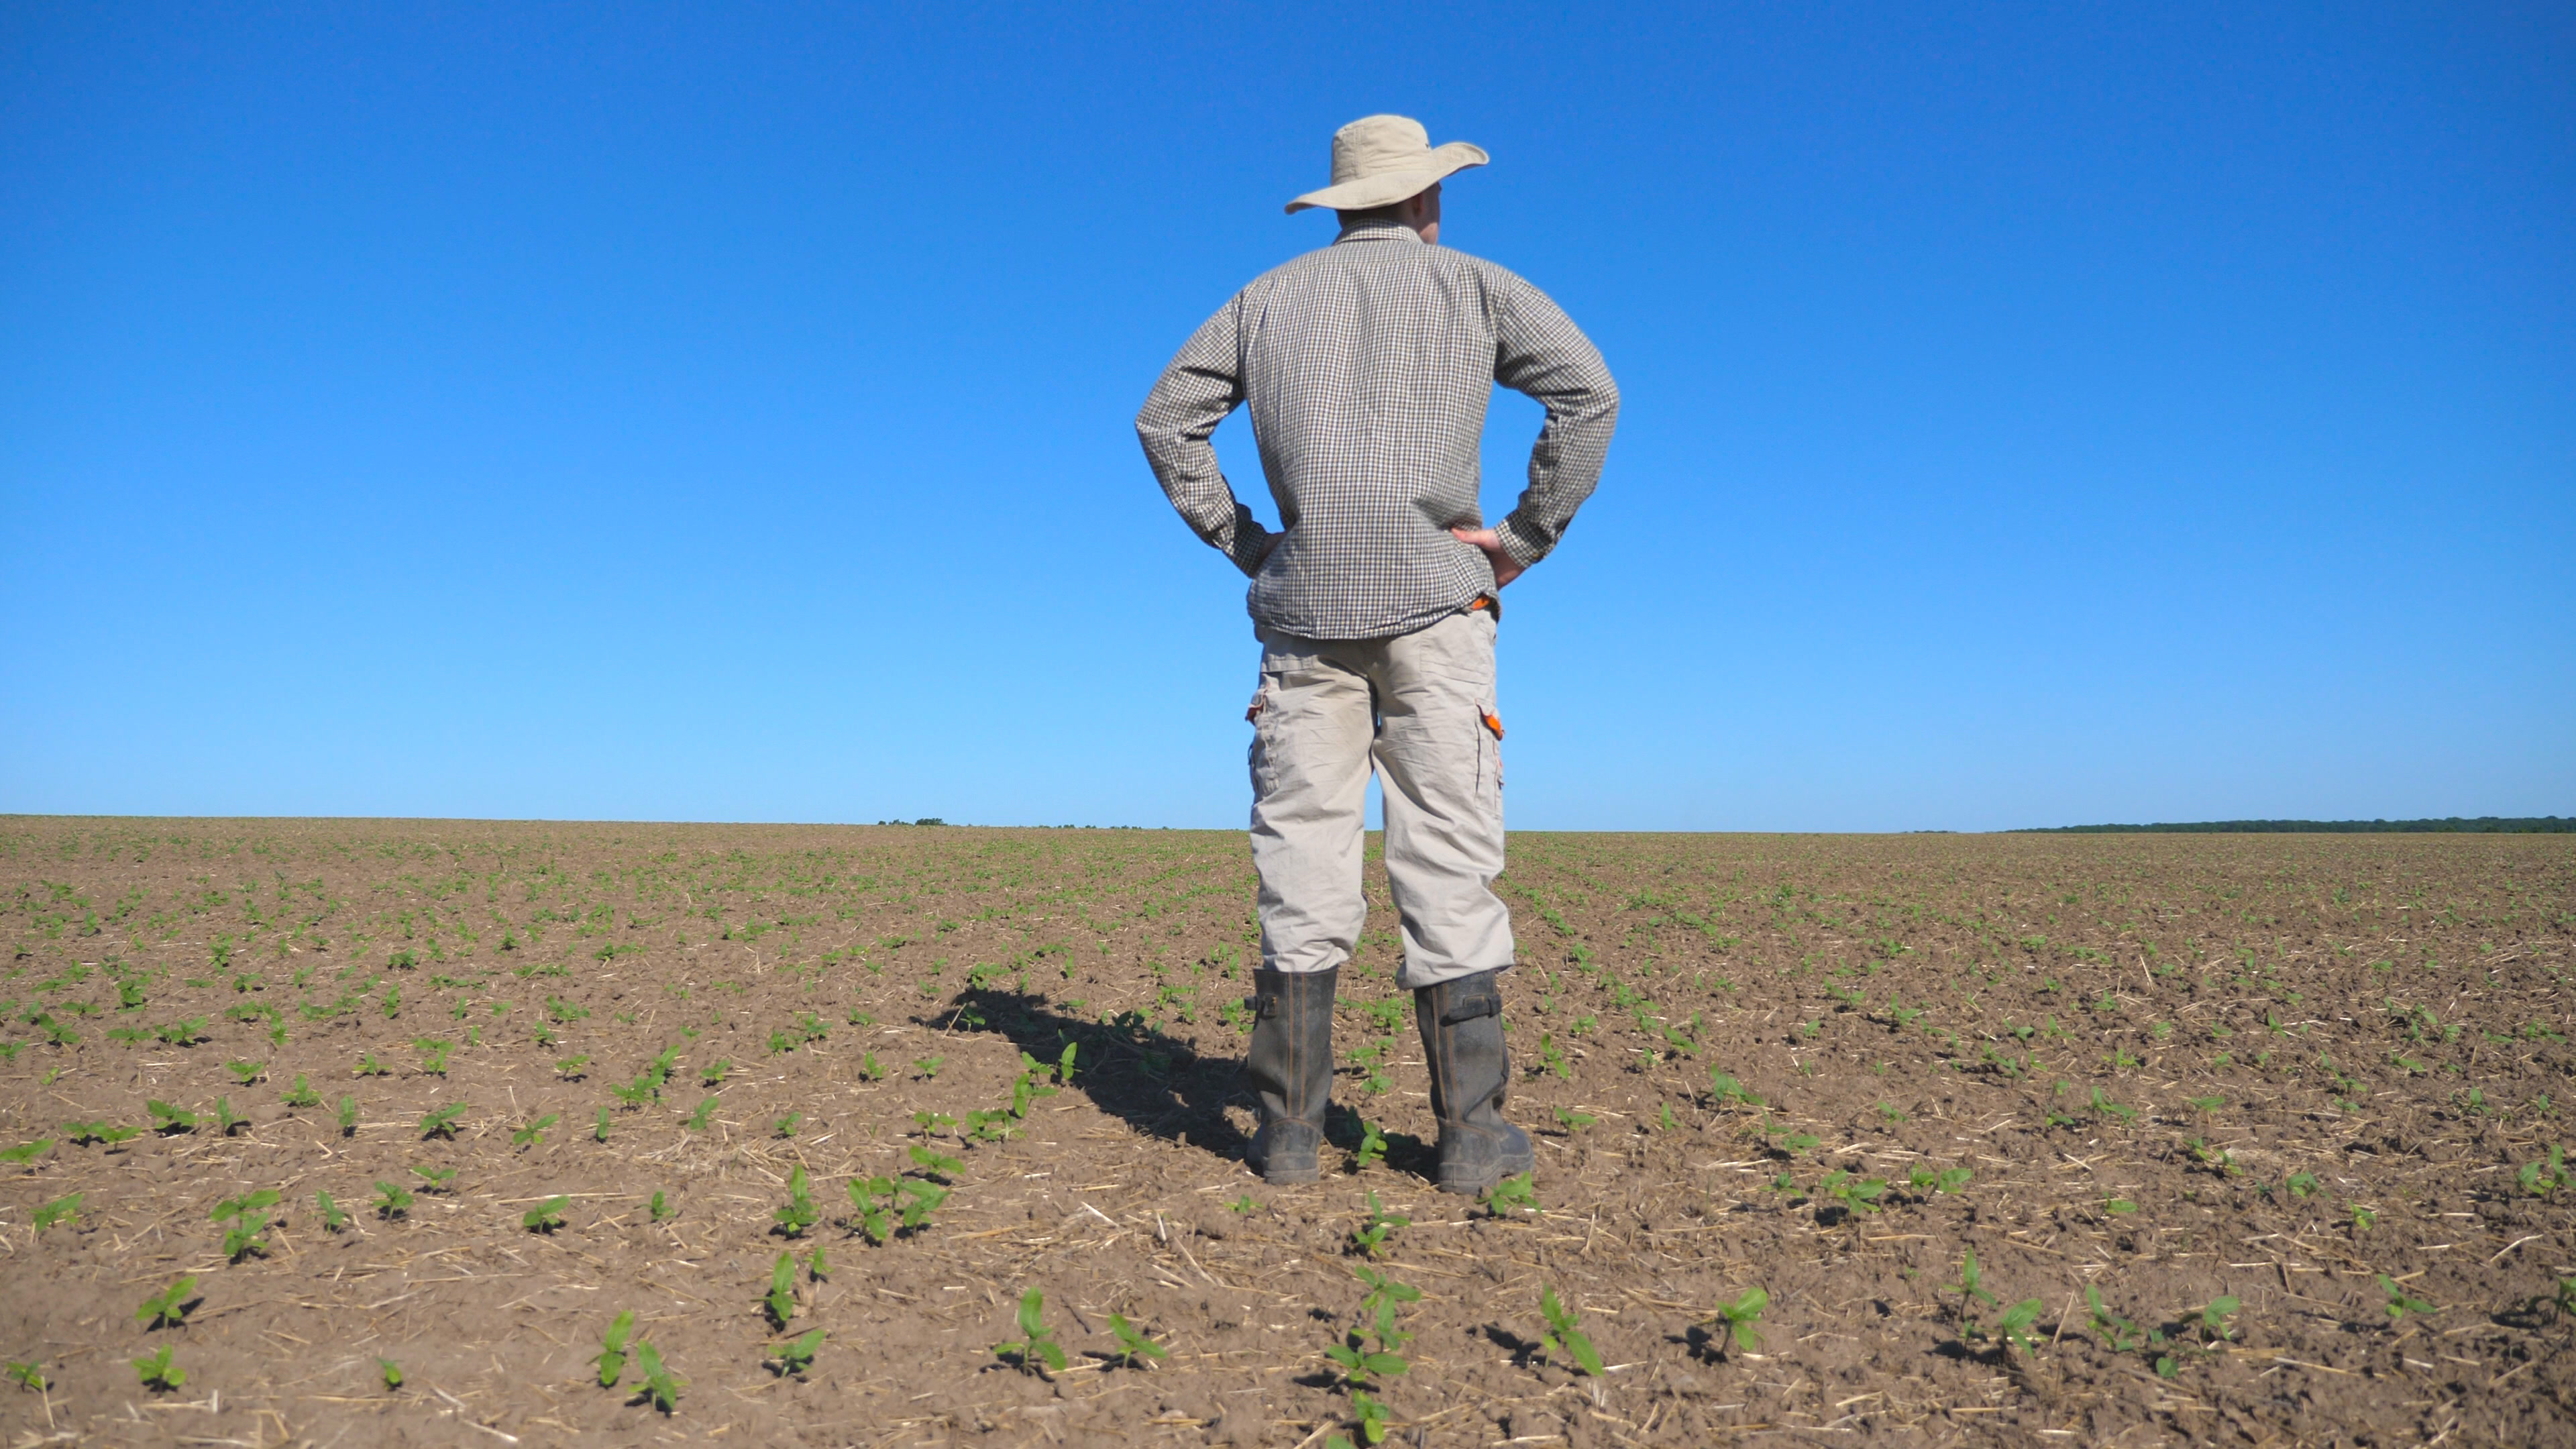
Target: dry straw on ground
x=2317 y=1076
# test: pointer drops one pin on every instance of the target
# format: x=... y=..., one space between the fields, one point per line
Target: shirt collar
x=1378 y=231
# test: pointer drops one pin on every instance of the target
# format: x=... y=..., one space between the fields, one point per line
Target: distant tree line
x=2452 y=825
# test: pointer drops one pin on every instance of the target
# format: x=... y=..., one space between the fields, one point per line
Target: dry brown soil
x=2174 y=1071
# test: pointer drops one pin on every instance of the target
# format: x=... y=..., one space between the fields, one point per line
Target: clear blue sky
x=2033 y=415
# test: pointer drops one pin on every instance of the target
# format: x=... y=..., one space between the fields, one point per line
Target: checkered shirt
x=1368 y=365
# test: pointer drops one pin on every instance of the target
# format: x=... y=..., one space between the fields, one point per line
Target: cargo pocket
x=1256 y=755
x=1489 y=758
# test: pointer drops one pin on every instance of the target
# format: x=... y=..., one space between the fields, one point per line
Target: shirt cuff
x=1517 y=542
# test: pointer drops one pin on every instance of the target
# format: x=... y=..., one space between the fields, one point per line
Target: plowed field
x=2250 y=1138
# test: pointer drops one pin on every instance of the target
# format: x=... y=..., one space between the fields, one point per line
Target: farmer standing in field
x=1368 y=365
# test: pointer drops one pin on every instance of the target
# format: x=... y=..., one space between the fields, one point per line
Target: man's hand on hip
x=1491 y=544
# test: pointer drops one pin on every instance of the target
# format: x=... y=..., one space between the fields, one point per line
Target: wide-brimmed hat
x=1379 y=160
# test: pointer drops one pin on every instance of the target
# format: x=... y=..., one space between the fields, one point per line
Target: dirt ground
x=2250 y=1138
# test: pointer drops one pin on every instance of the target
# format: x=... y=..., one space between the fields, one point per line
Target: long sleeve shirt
x=1368 y=364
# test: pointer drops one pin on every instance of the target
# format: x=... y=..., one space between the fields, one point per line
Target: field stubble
x=2249 y=1137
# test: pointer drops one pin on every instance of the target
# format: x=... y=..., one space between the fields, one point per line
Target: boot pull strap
x=1487 y=1002
x=1264 y=1005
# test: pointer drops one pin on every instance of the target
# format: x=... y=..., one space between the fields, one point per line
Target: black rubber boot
x=1290 y=1062
x=1462 y=1039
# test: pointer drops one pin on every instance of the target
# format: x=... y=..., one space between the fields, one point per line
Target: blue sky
x=2033 y=415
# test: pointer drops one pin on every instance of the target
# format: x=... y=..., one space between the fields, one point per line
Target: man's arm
x=1539 y=351
x=1202 y=385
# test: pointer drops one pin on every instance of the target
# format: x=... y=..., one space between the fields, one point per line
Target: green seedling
x=81 y=1134
x=781 y=1298
x=661 y=1389
x=29 y=1374
x=433 y=1055
x=2018 y=1324
x=156 y=1371
x=2120 y=1333
x=714 y=1075
x=243 y=1206
x=788 y=1125
x=817 y=1266
x=1949 y=1180
x=1742 y=1316
x=368 y=1066
x=391 y=1372
x=2546 y=1176
x=1512 y=1194
x=168 y=1119
x=1370 y=1238
x=1134 y=1346
x=534 y=1134
x=437 y=1178
x=926 y=1122
x=1971 y=1285
x=994 y=1126
x=546 y=1216
x=2118 y=1206
x=246 y=1072
x=2108 y=1108
x=660 y=1209
x=800 y=1213
x=2400 y=1302
x=61 y=1209
x=333 y=1219
x=184 y=1033
x=612 y=1350
x=442 y=1123
x=928 y=1066
x=698 y=1120
x=348 y=1116
x=1242 y=1204
x=169 y=1307
x=225 y=1122
x=570 y=1068
x=1372 y=1148
x=303 y=1096
x=1036 y=1344
x=1858 y=1195
x=1551 y=1058
x=26 y=1152
x=391 y=1201
x=934 y=1164
x=869 y=1070
x=2215 y=1313
x=1565 y=1335
x=2302 y=1184
x=599 y=1129
x=794 y=1356
x=1573 y=1122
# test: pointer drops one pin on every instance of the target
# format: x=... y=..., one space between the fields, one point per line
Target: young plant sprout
x=612 y=1349
x=800 y=1213
x=157 y=1372
x=781 y=1298
x=1134 y=1345
x=546 y=1216
x=1742 y=1316
x=1565 y=1335
x=795 y=1356
x=169 y=1307
x=1036 y=1344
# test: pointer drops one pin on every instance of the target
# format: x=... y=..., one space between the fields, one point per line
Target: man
x=1367 y=365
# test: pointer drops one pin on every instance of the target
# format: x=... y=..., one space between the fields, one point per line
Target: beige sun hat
x=1378 y=160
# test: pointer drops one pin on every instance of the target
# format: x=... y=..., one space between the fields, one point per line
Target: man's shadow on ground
x=1159 y=1084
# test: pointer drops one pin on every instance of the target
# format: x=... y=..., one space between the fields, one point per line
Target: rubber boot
x=1462 y=1039
x=1290 y=1062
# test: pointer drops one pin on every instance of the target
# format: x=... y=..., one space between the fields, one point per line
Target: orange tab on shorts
x=1493 y=723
